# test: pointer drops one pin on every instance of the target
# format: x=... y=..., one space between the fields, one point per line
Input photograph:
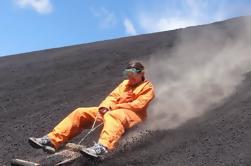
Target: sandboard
x=85 y=152
x=69 y=154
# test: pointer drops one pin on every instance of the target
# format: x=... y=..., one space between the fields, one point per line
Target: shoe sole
x=36 y=145
x=49 y=149
x=87 y=153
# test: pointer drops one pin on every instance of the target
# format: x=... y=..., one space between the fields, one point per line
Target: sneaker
x=42 y=143
x=96 y=150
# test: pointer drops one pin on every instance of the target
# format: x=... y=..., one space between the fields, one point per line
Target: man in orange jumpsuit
x=123 y=108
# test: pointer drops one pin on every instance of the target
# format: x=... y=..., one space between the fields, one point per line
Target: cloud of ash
x=204 y=68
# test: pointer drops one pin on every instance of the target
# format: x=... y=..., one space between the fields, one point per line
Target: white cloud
x=107 y=19
x=129 y=27
x=150 y=24
x=40 y=6
x=172 y=17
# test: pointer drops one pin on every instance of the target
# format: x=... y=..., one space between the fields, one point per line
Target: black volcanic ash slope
x=38 y=89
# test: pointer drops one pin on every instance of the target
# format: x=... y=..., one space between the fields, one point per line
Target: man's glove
x=103 y=110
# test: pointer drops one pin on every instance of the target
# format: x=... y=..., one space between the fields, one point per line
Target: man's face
x=135 y=78
x=134 y=75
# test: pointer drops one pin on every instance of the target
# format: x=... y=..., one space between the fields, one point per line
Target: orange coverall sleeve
x=139 y=103
x=111 y=99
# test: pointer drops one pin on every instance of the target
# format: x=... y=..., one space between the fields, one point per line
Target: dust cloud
x=203 y=68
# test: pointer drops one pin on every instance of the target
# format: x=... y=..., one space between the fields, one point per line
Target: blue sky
x=30 y=25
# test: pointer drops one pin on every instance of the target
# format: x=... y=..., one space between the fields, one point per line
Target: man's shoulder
x=149 y=83
x=124 y=82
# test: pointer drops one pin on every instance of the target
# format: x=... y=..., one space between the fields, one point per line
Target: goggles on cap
x=131 y=71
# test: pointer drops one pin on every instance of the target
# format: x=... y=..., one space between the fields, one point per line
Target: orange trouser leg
x=73 y=124
x=115 y=123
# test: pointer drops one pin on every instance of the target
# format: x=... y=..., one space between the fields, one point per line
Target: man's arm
x=111 y=99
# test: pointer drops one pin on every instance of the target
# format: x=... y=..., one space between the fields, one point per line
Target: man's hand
x=127 y=97
x=103 y=110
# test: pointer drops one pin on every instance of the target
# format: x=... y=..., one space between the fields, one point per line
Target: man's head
x=134 y=72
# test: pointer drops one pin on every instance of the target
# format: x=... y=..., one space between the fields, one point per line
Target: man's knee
x=85 y=112
x=117 y=115
x=114 y=113
x=82 y=110
x=77 y=111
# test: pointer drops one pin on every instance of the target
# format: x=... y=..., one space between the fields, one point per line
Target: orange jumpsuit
x=127 y=107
